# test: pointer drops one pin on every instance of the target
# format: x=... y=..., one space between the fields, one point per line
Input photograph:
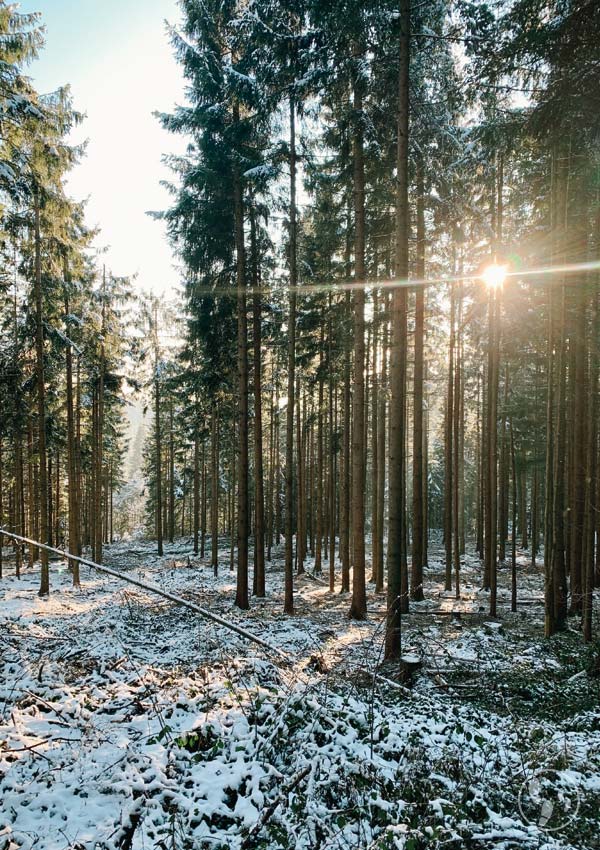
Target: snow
x=126 y=721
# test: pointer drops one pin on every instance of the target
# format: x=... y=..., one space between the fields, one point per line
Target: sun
x=494 y=276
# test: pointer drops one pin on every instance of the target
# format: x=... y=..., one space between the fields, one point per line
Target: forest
x=305 y=553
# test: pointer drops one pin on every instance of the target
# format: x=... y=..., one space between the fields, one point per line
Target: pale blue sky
x=116 y=56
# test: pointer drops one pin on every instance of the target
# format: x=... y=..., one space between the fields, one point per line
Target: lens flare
x=494 y=276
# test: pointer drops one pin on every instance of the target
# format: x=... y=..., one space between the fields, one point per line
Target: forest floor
x=128 y=722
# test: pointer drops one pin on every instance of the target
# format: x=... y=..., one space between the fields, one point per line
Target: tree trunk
x=449 y=447
x=289 y=432
x=41 y=406
x=358 y=606
x=214 y=491
x=171 y=474
x=259 y=499
x=396 y=602
x=196 y=490
x=157 y=439
x=418 y=477
x=241 y=596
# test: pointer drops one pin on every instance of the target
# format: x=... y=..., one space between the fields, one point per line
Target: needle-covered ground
x=129 y=722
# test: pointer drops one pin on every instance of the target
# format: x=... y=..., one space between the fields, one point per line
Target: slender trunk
x=320 y=469
x=492 y=545
x=74 y=540
x=449 y=447
x=98 y=503
x=158 y=452
x=196 y=486
x=214 y=491
x=259 y=499
x=203 y=511
x=374 y=441
x=41 y=406
x=513 y=560
x=171 y=474
x=558 y=507
x=332 y=426
x=418 y=477
x=289 y=432
x=241 y=597
x=591 y=473
x=456 y=444
x=577 y=503
x=381 y=449
x=300 y=502
x=345 y=495
x=358 y=607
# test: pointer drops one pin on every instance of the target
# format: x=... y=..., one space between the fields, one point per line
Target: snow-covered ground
x=129 y=722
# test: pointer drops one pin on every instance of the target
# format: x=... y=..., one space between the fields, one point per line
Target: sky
x=116 y=56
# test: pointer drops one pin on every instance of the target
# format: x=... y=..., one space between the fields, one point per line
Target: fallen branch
x=153 y=588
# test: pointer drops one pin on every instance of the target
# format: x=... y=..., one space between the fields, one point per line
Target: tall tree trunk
x=259 y=499
x=591 y=471
x=41 y=405
x=74 y=520
x=558 y=507
x=396 y=602
x=171 y=490
x=320 y=467
x=375 y=539
x=300 y=494
x=577 y=505
x=241 y=596
x=157 y=438
x=418 y=477
x=345 y=489
x=358 y=606
x=492 y=545
x=203 y=511
x=196 y=488
x=332 y=427
x=449 y=445
x=513 y=559
x=99 y=477
x=456 y=445
x=289 y=430
x=381 y=449
x=74 y=539
x=214 y=490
